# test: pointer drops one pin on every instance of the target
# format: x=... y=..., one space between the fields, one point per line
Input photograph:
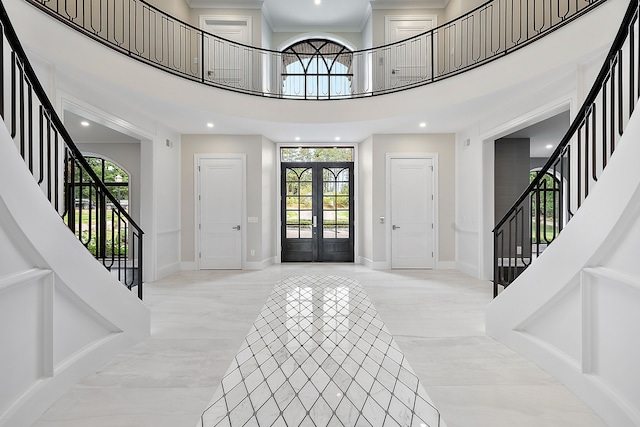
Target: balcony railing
x=542 y=211
x=143 y=32
x=85 y=204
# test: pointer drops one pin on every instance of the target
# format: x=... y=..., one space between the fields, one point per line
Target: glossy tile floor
x=202 y=321
x=319 y=355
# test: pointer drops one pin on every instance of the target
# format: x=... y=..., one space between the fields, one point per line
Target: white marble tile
x=200 y=319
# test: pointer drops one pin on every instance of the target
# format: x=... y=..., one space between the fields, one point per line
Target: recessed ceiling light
x=317 y=1
x=549 y=146
x=209 y=125
x=297 y=138
x=84 y=123
x=423 y=125
x=337 y=138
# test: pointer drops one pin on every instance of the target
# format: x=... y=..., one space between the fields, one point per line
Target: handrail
x=64 y=175
x=484 y=34
x=576 y=164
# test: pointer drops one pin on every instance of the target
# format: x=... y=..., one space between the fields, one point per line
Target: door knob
x=395 y=227
x=237 y=227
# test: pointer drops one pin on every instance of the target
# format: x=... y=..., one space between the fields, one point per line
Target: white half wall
x=576 y=310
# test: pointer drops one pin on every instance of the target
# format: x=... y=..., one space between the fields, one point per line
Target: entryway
x=317 y=211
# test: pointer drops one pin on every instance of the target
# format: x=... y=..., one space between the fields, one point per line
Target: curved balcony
x=488 y=32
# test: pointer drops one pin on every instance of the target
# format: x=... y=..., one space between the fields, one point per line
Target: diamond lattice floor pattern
x=319 y=355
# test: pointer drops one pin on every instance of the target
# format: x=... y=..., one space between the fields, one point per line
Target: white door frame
x=196 y=209
x=389 y=220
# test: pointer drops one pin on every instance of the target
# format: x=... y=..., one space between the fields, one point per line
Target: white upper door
x=220 y=212
x=412 y=213
x=228 y=61
x=410 y=61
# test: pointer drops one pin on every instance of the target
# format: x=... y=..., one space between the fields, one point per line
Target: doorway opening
x=317 y=204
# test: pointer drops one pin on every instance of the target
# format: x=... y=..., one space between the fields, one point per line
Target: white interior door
x=228 y=61
x=410 y=62
x=412 y=213
x=220 y=212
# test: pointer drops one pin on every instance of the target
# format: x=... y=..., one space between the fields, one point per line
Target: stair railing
x=83 y=201
x=147 y=34
x=562 y=185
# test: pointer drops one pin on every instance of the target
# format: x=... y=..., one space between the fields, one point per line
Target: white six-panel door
x=412 y=213
x=220 y=208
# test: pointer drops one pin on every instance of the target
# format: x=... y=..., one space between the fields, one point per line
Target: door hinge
x=431 y=167
x=199 y=254
x=432 y=226
x=200 y=227
x=432 y=197
x=431 y=254
x=198 y=168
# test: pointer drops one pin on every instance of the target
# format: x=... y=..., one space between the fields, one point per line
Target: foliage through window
x=545 y=209
x=317 y=69
x=316 y=154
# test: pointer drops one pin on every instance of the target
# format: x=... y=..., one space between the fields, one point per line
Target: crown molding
x=408 y=4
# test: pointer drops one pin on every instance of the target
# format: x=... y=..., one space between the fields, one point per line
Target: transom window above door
x=316 y=154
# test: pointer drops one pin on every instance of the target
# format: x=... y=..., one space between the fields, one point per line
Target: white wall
x=575 y=310
x=443 y=145
x=366 y=216
x=62 y=314
x=268 y=218
x=165 y=206
x=253 y=146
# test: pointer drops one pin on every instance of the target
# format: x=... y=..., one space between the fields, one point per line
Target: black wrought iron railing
x=85 y=204
x=562 y=185
x=488 y=32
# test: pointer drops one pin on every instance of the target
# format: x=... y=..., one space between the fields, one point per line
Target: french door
x=317 y=211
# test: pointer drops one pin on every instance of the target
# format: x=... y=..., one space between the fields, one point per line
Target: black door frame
x=317 y=248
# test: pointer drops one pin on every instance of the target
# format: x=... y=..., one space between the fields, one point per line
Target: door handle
x=315 y=221
x=395 y=227
x=237 y=227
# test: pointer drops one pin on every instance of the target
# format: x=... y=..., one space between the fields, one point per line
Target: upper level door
x=412 y=213
x=317 y=212
x=220 y=212
x=410 y=61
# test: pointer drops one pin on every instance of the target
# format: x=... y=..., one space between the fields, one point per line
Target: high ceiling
x=326 y=15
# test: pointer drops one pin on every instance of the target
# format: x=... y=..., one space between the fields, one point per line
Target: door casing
x=388 y=221
x=279 y=194
x=196 y=186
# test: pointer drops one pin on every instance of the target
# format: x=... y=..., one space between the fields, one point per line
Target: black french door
x=317 y=211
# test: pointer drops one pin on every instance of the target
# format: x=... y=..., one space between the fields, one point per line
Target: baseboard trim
x=260 y=265
x=168 y=269
x=188 y=265
x=446 y=265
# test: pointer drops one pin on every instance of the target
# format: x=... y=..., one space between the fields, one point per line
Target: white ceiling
x=329 y=15
x=544 y=136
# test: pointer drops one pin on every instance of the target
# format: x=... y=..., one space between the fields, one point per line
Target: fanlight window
x=317 y=69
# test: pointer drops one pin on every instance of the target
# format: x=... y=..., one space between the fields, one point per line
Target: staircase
x=566 y=274
x=62 y=313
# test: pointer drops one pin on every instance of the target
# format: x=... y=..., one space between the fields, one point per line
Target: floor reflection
x=319 y=355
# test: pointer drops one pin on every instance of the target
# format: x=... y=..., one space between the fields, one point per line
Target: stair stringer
x=576 y=304
x=62 y=314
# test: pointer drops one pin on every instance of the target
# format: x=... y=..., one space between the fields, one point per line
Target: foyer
x=200 y=319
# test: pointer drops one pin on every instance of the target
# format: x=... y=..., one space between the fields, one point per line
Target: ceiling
x=306 y=15
x=92 y=131
x=544 y=136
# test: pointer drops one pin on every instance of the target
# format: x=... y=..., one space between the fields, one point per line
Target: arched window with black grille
x=317 y=69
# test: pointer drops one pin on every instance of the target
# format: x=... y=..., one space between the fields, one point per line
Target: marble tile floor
x=200 y=320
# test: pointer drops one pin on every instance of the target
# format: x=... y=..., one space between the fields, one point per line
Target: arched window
x=317 y=69
x=546 y=209
x=114 y=177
